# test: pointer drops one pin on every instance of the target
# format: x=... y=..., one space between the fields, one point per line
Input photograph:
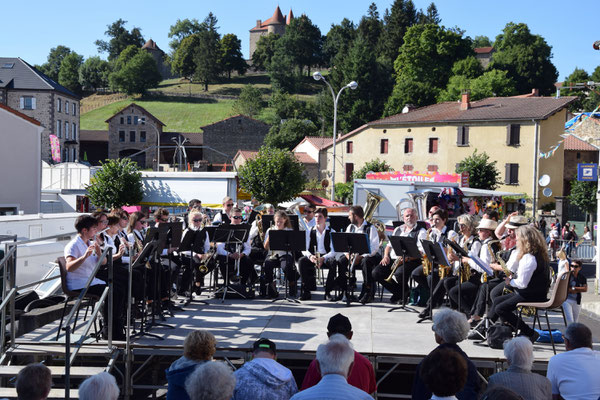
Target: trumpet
x=203 y=267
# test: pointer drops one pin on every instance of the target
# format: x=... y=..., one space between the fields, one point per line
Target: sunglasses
x=237 y=217
x=229 y=205
x=197 y=220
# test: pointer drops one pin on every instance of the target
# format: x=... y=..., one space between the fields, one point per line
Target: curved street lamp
x=352 y=85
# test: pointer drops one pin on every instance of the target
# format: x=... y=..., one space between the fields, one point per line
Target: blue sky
x=30 y=29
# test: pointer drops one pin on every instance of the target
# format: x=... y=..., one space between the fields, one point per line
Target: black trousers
x=440 y=287
x=247 y=274
x=191 y=271
x=286 y=262
x=401 y=275
x=308 y=273
x=419 y=277
x=483 y=295
x=468 y=293
x=366 y=265
x=504 y=307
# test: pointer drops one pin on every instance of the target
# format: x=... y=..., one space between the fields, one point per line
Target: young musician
x=193 y=204
x=365 y=261
x=170 y=262
x=531 y=283
x=82 y=255
x=277 y=258
x=439 y=232
x=195 y=219
x=227 y=255
x=258 y=252
x=123 y=222
x=318 y=241
x=223 y=217
x=136 y=228
x=309 y=216
x=402 y=273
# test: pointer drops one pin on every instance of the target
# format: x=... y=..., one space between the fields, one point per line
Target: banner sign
x=415 y=177
x=55 y=148
x=587 y=172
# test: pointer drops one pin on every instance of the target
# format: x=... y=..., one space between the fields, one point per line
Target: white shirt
x=524 y=268
x=575 y=374
x=311 y=224
x=219 y=217
x=206 y=244
x=280 y=253
x=223 y=252
x=404 y=230
x=320 y=244
x=476 y=250
x=77 y=279
x=373 y=237
x=135 y=234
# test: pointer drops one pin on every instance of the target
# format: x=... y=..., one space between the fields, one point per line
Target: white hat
x=487 y=223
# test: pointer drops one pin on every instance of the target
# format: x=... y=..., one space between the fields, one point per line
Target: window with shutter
x=349 y=171
x=383 y=147
x=433 y=145
x=59 y=105
x=513 y=135
x=432 y=168
x=407 y=168
x=66 y=107
x=462 y=136
x=22 y=103
x=408 y=145
x=349 y=147
x=511 y=176
x=74 y=109
x=33 y=103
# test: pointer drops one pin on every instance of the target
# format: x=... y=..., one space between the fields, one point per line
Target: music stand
x=461 y=252
x=231 y=234
x=353 y=244
x=339 y=223
x=192 y=241
x=252 y=216
x=404 y=246
x=294 y=220
x=436 y=255
x=290 y=242
x=173 y=231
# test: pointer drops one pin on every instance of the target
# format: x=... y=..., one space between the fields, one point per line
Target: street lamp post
x=352 y=85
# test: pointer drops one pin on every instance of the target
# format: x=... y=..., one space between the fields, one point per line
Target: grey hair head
x=212 y=380
x=450 y=325
x=578 y=335
x=335 y=356
x=519 y=352
x=100 y=386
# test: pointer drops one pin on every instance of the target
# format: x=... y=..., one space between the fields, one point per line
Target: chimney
x=465 y=101
x=258 y=22
x=535 y=92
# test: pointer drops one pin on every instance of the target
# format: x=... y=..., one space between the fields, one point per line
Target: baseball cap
x=265 y=344
x=339 y=324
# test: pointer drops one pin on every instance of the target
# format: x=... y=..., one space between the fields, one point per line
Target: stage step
x=57 y=350
x=76 y=372
x=55 y=394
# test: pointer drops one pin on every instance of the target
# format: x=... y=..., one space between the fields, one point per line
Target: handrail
x=43 y=239
x=9 y=254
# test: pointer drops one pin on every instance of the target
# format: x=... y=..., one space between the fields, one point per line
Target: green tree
x=493 y=83
x=481 y=41
x=577 y=76
x=371 y=26
x=483 y=174
x=302 y=42
x=338 y=40
x=250 y=101
x=55 y=58
x=583 y=195
x=231 y=55
x=273 y=176
x=469 y=67
x=208 y=53
x=344 y=191
x=138 y=75
x=289 y=133
x=526 y=57
x=287 y=106
x=69 y=72
x=432 y=15
x=424 y=65
x=118 y=183
x=120 y=38
x=182 y=29
x=93 y=73
x=183 y=59
x=281 y=70
x=593 y=99
x=265 y=48
x=402 y=16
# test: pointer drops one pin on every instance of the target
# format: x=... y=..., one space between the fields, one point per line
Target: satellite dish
x=547 y=192
x=544 y=180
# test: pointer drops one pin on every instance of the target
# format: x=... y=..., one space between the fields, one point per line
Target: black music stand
x=173 y=239
x=339 y=223
x=461 y=252
x=291 y=242
x=231 y=234
x=437 y=256
x=404 y=246
x=192 y=241
x=353 y=244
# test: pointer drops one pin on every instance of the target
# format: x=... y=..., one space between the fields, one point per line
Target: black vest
x=537 y=289
x=313 y=240
x=224 y=218
x=414 y=232
x=367 y=229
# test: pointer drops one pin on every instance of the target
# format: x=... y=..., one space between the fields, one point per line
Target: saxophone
x=465 y=272
x=138 y=249
x=426 y=262
x=395 y=266
x=446 y=270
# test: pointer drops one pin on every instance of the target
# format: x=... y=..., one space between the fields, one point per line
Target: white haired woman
x=518 y=377
x=450 y=327
x=211 y=381
x=101 y=386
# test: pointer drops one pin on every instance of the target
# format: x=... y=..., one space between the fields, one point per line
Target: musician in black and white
x=279 y=258
x=223 y=216
x=136 y=229
x=227 y=254
x=409 y=228
x=309 y=216
x=367 y=261
x=189 y=257
x=318 y=241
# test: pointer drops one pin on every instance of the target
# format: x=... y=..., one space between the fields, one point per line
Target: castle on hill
x=276 y=24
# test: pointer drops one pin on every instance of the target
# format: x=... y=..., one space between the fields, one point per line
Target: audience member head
x=531 y=241
x=519 y=352
x=335 y=356
x=34 y=382
x=264 y=348
x=161 y=215
x=500 y=393
x=444 y=372
x=339 y=323
x=137 y=221
x=577 y=335
x=490 y=213
x=211 y=381
x=194 y=204
x=101 y=386
x=85 y=224
x=450 y=326
x=199 y=345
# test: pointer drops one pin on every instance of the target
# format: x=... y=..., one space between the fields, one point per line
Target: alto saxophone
x=465 y=272
x=138 y=249
x=446 y=270
x=395 y=266
x=426 y=262
x=318 y=257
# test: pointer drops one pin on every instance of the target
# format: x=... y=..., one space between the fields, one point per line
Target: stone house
x=315 y=148
x=32 y=93
x=159 y=56
x=276 y=24
x=310 y=164
x=484 y=55
x=513 y=131
x=224 y=138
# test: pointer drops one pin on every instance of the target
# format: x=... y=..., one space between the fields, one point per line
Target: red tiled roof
x=572 y=142
x=276 y=19
x=21 y=115
x=483 y=50
x=247 y=154
x=151 y=45
x=319 y=141
x=290 y=17
x=304 y=158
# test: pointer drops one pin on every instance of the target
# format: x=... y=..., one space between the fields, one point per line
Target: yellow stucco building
x=511 y=130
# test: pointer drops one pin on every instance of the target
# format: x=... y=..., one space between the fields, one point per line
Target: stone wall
x=232 y=134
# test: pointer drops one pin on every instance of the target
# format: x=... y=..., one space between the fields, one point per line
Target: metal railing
x=583 y=250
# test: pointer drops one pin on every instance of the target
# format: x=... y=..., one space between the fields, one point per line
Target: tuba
x=295 y=209
x=371 y=205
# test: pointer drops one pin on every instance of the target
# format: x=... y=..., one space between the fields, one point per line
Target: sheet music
x=482 y=265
